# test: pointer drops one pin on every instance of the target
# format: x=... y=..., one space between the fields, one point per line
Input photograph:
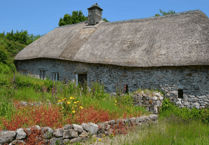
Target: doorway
x=82 y=78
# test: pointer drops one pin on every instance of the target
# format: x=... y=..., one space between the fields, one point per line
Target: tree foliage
x=104 y=19
x=76 y=17
x=165 y=13
x=21 y=37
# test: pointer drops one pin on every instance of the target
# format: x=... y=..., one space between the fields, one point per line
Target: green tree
x=3 y=54
x=104 y=19
x=76 y=17
x=2 y=34
x=165 y=13
x=22 y=37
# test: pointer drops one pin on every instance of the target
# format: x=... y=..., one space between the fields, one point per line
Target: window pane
x=43 y=74
x=40 y=74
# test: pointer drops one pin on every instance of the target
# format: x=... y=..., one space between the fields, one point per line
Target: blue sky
x=42 y=16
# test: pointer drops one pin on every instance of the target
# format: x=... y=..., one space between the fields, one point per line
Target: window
x=24 y=72
x=180 y=93
x=126 y=88
x=82 y=78
x=42 y=74
x=55 y=76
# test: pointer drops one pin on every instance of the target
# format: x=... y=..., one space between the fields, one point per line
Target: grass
x=80 y=104
x=169 y=131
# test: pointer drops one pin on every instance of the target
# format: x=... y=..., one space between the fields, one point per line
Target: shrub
x=3 y=54
x=4 y=69
x=168 y=108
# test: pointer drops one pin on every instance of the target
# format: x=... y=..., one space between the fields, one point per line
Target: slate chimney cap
x=95 y=5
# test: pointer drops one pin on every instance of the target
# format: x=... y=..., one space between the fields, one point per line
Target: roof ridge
x=155 y=17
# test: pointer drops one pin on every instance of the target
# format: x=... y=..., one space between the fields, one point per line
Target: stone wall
x=193 y=80
x=72 y=133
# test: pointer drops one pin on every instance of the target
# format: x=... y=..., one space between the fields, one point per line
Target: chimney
x=94 y=14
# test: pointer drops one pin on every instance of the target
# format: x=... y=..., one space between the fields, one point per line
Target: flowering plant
x=71 y=106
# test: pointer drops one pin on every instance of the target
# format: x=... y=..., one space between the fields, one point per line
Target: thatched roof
x=173 y=40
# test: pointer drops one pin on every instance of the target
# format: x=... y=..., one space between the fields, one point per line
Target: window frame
x=57 y=76
x=42 y=74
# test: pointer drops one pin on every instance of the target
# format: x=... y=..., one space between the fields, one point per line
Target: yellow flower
x=72 y=98
x=81 y=107
x=115 y=101
x=68 y=102
x=59 y=101
x=99 y=139
x=75 y=102
x=115 y=104
x=104 y=135
x=73 y=111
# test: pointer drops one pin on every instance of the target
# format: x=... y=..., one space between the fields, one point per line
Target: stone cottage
x=166 y=52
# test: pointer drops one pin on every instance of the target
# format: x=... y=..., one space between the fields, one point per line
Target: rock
x=191 y=96
x=161 y=98
x=77 y=128
x=140 y=119
x=68 y=126
x=66 y=141
x=20 y=134
x=175 y=93
x=85 y=126
x=178 y=103
x=84 y=134
x=202 y=107
x=159 y=103
x=186 y=103
x=93 y=128
x=153 y=117
x=47 y=132
x=70 y=133
x=59 y=141
x=74 y=140
x=58 y=132
x=17 y=142
x=111 y=122
x=185 y=97
x=133 y=120
x=196 y=105
x=155 y=110
x=7 y=136
x=201 y=97
x=154 y=98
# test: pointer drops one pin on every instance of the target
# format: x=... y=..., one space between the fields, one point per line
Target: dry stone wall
x=74 y=132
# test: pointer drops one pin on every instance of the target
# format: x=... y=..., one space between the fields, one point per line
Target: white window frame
x=76 y=79
x=42 y=74
x=55 y=76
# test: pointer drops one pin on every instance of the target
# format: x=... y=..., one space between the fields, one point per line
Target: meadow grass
x=175 y=125
x=170 y=130
x=17 y=87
